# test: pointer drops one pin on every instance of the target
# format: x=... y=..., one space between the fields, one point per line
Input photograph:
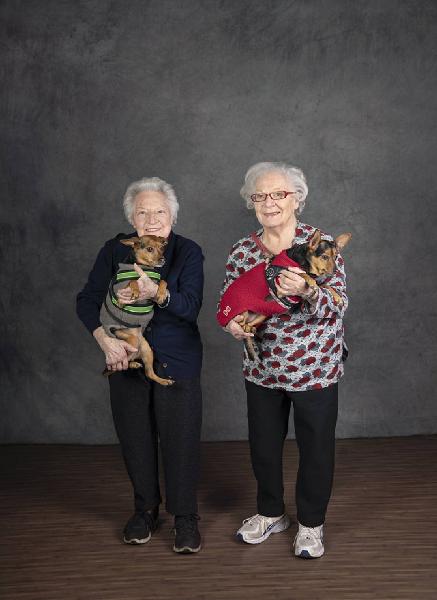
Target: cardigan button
x=165 y=365
x=148 y=329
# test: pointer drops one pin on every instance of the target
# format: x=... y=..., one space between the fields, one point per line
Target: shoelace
x=253 y=520
x=137 y=520
x=309 y=533
x=186 y=523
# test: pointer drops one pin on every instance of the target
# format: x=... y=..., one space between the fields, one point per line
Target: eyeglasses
x=260 y=197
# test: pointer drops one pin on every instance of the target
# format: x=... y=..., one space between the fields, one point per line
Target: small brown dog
x=128 y=321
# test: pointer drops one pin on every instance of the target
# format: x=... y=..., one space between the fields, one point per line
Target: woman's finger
x=238 y=332
x=281 y=292
x=289 y=276
x=140 y=271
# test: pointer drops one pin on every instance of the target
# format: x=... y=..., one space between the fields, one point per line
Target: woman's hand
x=236 y=330
x=291 y=284
x=117 y=352
x=147 y=288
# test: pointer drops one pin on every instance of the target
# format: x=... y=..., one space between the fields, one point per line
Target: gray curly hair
x=150 y=184
x=294 y=174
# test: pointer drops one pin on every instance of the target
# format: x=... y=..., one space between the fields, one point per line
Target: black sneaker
x=139 y=528
x=187 y=536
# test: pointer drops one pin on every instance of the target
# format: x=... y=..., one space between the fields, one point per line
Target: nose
x=150 y=218
x=269 y=202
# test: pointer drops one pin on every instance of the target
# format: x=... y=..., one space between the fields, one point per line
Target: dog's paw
x=135 y=364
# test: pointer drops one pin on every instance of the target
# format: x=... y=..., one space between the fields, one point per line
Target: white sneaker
x=308 y=542
x=256 y=529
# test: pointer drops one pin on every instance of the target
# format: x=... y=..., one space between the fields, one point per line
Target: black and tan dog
x=128 y=321
x=254 y=294
x=316 y=257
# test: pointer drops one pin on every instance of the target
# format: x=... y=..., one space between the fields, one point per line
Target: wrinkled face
x=151 y=214
x=148 y=249
x=275 y=213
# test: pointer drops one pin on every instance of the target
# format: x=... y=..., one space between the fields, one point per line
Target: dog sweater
x=254 y=291
x=115 y=315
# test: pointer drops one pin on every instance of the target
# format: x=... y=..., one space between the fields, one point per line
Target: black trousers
x=143 y=412
x=315 y=418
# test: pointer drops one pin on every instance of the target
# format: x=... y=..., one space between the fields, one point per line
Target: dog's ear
x=131 y=241
x=342 y=240
x=163 y=241
x=314 y=240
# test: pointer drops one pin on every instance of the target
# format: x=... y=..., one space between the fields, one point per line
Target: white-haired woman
x=299 y=362
x=144 y=411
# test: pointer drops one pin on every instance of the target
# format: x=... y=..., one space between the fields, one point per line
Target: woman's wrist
x=99 y=335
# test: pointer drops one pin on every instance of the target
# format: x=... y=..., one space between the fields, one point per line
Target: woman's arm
x=185 y=297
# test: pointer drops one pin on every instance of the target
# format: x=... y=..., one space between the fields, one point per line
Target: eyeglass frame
x=270 y=194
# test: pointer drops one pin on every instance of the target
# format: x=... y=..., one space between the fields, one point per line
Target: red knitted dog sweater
x=250 y=290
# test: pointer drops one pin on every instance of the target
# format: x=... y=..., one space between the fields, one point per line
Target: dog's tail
x=250 y=348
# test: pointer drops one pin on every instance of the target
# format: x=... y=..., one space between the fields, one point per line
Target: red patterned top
x=299 y=350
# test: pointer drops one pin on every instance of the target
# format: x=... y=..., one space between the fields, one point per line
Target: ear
x=163 y=241
x=130 y=242
x=314 y=240
x=342 y=240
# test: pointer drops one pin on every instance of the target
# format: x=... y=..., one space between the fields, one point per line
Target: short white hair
x=294 y=175
x=150 y=184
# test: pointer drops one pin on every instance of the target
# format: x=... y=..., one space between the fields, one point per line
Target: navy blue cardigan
x=173 y=333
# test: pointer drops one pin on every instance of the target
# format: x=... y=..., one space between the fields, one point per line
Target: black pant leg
x=178 y=411
x=315 y=418
x=268 y=411
x=134 y=421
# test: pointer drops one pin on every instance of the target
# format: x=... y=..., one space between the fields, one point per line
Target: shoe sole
x=305 y=554
x=281 y=525
x=136 y=541
x=186 y=550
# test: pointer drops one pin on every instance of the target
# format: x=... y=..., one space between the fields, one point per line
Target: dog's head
x=148 y=249
x=317 y=256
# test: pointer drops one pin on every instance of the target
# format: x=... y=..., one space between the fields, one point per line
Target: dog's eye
x=325 y=257
x=149 y=249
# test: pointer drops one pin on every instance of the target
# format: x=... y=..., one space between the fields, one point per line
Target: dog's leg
x=135 y=290
x=337 y=298
x=248 y=327
x=146 y=354
x=256 y=322
x=309 y=280
x=162 y=292
x=243 y=323
x=131 y=336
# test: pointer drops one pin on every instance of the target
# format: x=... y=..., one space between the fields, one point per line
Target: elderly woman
x=143 y=410
x=299 y=362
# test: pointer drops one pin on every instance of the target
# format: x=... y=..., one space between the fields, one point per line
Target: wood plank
x=62 y=509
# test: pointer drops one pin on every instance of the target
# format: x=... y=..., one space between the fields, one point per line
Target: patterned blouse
x=300 y=349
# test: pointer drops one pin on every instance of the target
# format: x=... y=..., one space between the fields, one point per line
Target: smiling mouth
x=271 y=214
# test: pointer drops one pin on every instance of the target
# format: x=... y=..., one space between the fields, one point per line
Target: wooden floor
x=62 y=509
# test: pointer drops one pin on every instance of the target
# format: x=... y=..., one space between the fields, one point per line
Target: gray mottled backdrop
x=99 y=93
